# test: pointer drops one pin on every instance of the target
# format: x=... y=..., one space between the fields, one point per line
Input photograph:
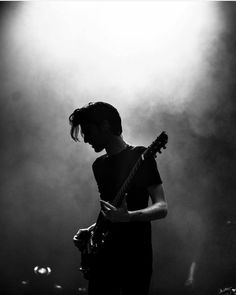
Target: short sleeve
x=148 y=174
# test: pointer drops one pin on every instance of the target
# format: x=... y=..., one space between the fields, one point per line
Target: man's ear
x=105 y=126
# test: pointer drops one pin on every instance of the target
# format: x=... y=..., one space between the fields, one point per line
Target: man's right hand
x=80 y=239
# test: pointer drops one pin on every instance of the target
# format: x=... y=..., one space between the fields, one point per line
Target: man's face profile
x=93 y=135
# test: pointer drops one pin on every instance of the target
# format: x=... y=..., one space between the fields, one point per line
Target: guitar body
x=85 y=265
x=94 y=244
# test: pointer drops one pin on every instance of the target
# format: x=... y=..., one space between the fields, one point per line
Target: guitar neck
x=127 y=183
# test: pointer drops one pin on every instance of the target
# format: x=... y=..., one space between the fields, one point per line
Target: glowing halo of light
x=118 y=48
x=40 y=270
x=57 y=287
x=25 y=282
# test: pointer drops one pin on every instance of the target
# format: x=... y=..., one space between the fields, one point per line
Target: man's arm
x=191 y=274
x=157 y=210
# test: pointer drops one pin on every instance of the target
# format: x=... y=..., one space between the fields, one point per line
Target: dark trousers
x=122 y=273
x=125 y=283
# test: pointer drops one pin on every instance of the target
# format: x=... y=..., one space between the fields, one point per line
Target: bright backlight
x=124 y=45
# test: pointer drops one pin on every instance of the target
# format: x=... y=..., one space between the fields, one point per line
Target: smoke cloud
x=47 y=188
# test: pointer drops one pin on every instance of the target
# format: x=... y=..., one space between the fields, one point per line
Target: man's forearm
x=153 y=212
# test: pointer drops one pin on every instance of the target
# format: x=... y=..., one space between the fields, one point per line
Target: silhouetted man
x=124 y=265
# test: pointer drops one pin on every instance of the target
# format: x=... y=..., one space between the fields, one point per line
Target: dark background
x=47 y=188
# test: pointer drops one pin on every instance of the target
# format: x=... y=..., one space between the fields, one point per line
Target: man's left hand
x=115 y=214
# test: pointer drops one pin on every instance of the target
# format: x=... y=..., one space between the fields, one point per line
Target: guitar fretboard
x=126 y=184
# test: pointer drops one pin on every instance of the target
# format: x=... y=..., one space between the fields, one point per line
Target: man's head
x=96 y=122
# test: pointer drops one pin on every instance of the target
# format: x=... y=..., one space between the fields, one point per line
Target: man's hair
x=95 y=113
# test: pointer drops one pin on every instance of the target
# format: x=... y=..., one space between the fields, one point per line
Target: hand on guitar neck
x=115 y=214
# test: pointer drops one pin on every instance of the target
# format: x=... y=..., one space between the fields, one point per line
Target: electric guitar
x=97 y=236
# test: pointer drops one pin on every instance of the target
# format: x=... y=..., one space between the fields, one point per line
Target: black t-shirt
x=110 y=172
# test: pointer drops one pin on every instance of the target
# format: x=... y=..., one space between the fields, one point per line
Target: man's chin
x=98 y=149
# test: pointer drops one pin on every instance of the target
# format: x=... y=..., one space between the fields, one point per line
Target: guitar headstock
x=157 y=145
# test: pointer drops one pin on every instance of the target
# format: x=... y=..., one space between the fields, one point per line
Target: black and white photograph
x=118 y=147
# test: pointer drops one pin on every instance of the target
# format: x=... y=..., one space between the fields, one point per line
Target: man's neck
x=115 y=145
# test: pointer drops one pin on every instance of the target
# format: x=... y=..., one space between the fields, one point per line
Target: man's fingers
x=105 y=208
x=105 y=214
x=107 y=205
